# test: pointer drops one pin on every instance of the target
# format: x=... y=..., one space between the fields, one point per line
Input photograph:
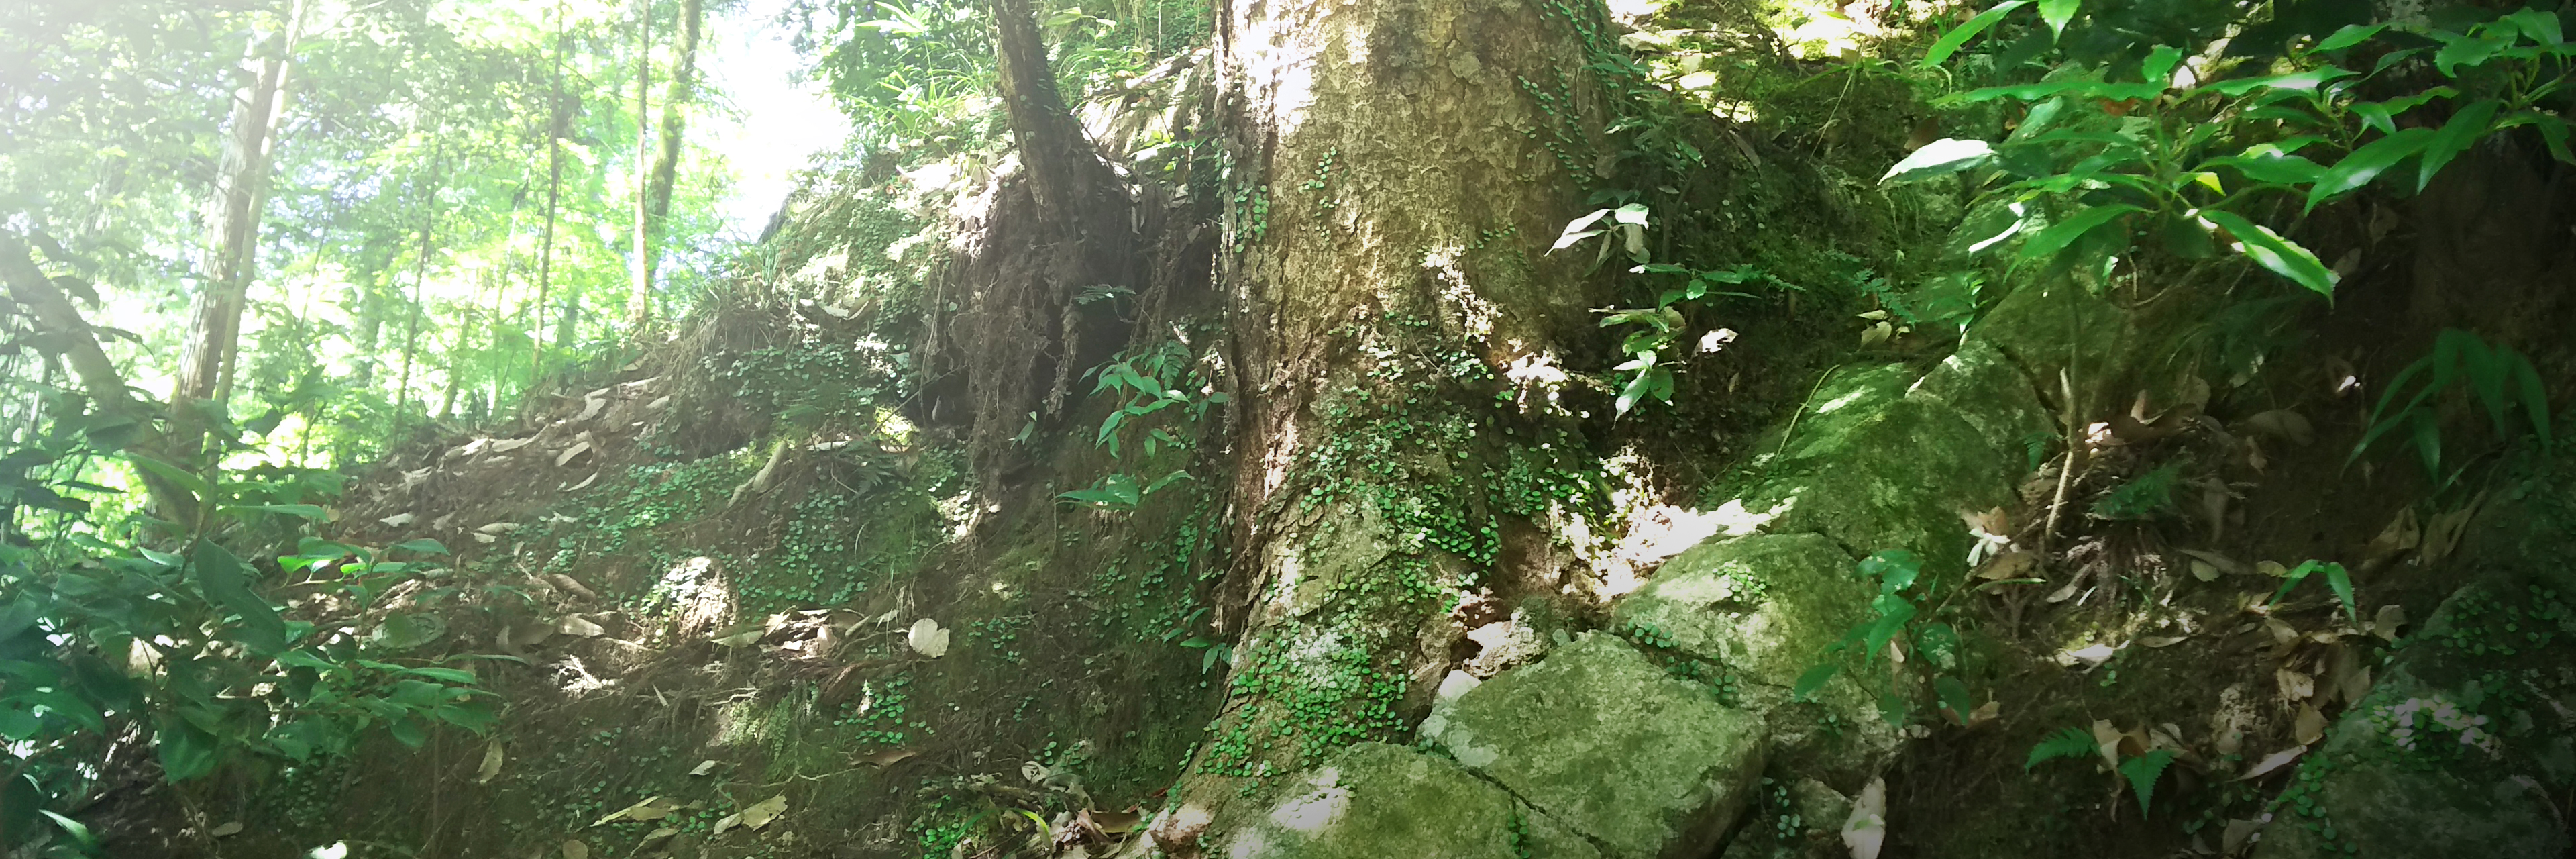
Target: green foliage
x=2067 y=743
x=99 y=636
x=2338 y=580
x=2147 y=496
x=2116 y=149
x=2142 y=772
x=2498 y=380
x=1935 y=644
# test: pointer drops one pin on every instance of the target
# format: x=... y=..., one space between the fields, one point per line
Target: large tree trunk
x=232 y=223
x=1396 y=184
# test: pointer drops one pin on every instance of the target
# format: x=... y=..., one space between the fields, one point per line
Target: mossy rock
x=1986 y=389
x=1896 y=478
x=1769 y=607
x=1374 y=800
x=1601 y=740
x=2462 y=747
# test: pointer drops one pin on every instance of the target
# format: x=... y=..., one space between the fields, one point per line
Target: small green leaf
x=1814 y=679
x=2464 y=129
x=2541 y=26
x=2340 y=582
x=2282 y=256
x=423 y=545
x=2350 y=35
x=2057 y=13
x=172 y=473
x=2366 y=163
x=221 y=578
x=1958 y=37
x=186 y=751
x=2142 y=772
x=79 y=833
x=2159 y=65
x=1940 y=158
x=306 y=511
x=2045 y=245
x=1954 y=696
x=1895 y=569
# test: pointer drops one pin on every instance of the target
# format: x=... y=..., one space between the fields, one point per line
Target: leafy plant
x=2140 y=771
x=2338 y=580
x=2499 y=380
x=2106 y=152
x=1937 y=643
x=2066 y=743
x=1656 y=331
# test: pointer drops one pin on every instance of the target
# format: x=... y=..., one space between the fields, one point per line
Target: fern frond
x=2143 y=771
x=2066 y=743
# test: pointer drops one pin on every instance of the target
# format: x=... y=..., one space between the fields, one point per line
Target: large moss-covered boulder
x=1601 y=740
x=1374 y=800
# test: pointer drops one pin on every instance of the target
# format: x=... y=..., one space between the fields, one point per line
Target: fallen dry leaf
x=233 y=828
x=654 y=839
x=491 y=765
x=2010 y=565
x=2295 y=687
x=927 y=639
x=2400 y=535
x=569 y=453
x=2391 y=618
x=886 y=758
x=1865 y=831
x=578 y=626
x=1113 y=822
x=2310 y=727
x=761 y=813
x=2238 y=831
x=2161 y=640
x=1986 y=712
x=2282 y=424
x=2088 y=656
x=2223 y=563
x=652 y=808
x=2443 y=534
x=703 y=768
x=2275 y=760
x=574 y=849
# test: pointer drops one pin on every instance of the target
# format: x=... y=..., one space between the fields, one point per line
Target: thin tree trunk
x=107 y=388
x=639 y=307
x=556 y=119
x=411 y=328
x=232 y=221
x=675 y=117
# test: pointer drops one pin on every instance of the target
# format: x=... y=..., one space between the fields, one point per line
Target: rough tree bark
x=232 y=224
x=1404 y=162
